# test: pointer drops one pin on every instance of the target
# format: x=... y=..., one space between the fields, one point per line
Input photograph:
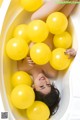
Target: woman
x=44 y=90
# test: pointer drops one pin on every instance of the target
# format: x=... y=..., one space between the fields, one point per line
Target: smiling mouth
x=42 y=78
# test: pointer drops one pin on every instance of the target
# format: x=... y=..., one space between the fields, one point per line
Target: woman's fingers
x=71 y=52
x=28 y=58
x=30 y=62
x=47 y=9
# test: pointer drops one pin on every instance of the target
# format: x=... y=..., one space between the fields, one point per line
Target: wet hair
x=51 y=99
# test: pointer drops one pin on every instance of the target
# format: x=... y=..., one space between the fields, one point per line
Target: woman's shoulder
x=49 y=71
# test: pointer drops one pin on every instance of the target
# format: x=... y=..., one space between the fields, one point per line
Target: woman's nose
x=43 y=82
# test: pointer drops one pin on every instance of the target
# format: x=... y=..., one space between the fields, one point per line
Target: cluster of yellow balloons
x=23 y=97
x=37 y=31
x=57 y=23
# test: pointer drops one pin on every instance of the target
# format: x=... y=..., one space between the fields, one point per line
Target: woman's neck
x=35 y=72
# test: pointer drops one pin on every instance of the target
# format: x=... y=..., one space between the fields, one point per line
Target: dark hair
x=51 y=99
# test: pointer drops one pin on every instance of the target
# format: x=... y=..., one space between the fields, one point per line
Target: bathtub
x=68 y=82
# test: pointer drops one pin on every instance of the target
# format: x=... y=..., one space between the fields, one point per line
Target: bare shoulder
x=49 y=71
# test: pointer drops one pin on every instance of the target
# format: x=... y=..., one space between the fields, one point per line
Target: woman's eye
x=49 y=85
x=42 y=86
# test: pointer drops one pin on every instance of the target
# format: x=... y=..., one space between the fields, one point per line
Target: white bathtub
x=68 y=82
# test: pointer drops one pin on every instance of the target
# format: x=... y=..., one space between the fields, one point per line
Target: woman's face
x=42 y=84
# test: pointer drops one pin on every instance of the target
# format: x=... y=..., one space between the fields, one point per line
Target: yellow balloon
x=38 y=111
x=40 y=53
x=22 y=96
x=59 y=60
x=21 y=77
x=63 y=40
x=16 y=48
x=57 y=22
x=37 y=31
x=21 y=31
x=31 y=5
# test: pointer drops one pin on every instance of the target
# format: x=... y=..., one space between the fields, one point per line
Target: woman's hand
x=29 y=61
x=53 y=6
x=71 y=52
x=26 y=64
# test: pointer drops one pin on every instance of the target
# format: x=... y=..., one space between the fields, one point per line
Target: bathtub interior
x=16 y=15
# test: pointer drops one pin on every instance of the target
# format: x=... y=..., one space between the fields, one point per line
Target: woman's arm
x=67 y=9
x=49 y=71
x=53 y=6
x=47 y=9
x=49 y=41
